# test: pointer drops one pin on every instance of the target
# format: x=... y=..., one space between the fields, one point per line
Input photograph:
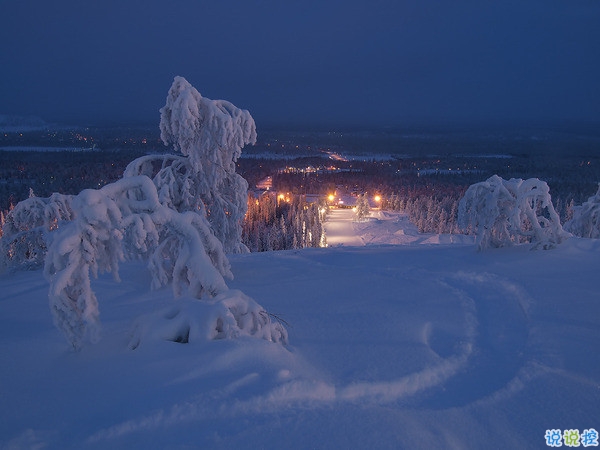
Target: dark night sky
x=307 y=62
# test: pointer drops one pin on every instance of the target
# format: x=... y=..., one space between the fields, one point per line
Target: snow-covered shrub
x=210 y=135
x=503 y=213
x=25 y=231
x=586 y=218
x=231 y=314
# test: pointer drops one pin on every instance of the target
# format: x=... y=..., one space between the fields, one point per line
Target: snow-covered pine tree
x=26 y=227
x=210 y=135
x=362 y=207
x=586 y=218
x=503 y=213
x=570 y=210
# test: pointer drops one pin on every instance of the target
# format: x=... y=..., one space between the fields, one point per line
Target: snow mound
x=231 y=314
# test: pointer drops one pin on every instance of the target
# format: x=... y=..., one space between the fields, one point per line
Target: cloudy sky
x=385 y=62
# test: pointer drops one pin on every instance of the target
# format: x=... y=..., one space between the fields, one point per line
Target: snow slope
x=391 y=346
x=381 y=227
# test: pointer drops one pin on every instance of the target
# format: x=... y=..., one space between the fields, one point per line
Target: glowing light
x=377 y=198
x=331 y=197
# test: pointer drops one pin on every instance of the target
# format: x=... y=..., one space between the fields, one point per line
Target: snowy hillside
x=382 y=227
x=391 y=346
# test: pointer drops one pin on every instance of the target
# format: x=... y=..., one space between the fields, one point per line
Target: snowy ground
x=381 y=227
x=391 y=346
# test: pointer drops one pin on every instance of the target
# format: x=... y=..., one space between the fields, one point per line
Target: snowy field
x=391 y=346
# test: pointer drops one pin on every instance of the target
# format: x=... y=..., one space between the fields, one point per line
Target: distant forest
x=427 y=187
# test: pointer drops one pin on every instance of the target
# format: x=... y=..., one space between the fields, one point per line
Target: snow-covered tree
x=123 y=220
x=586 y=218
x=210 y=135
x=26 y=227
x=93 y=242
x=179 y=212
x=503 y=213
x=362 y=207
x=291 y=224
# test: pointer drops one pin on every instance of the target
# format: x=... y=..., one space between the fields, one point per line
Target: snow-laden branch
x=502 y=213
x=174 y=180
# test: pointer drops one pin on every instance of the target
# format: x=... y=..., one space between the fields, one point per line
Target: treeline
x=424 y=187
x=429 y=189
x=281 y=223
x=63 y=172
x=430 y=212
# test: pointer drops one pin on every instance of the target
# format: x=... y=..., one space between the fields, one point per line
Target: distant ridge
x=13 y=123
